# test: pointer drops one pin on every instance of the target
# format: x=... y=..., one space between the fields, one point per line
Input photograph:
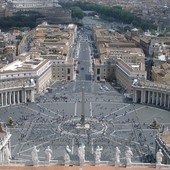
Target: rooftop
x=22 y=65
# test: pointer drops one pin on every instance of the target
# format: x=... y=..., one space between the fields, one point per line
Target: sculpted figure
x=159 y=156
x=81 y=153
x=7 y=154
x=34 y=154
x=98 y=153
x=129 y=155
x=117 y=156
x=48 y=153
x=67 y=155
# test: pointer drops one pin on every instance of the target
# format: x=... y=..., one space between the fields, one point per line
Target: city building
x=56 y=43
x=26 y=4
x=27 y=67
x=123 y=64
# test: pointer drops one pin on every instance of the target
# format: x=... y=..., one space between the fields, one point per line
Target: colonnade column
x=165 y=100
x=10 y=98
x=2 y=99
x=142 y=93
x=25 y=96
x=161 y=99
x=149 y=96
x=157 y=98
x=6 y=98
x=14 y=98
x=153 y=97
x=18 y=97
x=32 y=95
x=134 y=96
x=144 y=97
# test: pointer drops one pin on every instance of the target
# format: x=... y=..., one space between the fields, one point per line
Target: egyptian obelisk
x=82 y=120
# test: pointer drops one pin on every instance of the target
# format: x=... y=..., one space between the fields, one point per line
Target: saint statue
x=67 y=155
x=117 y=156
x=159 y=156
x=34 y=154
x=98 y=154
x=48 y=153
x=81 y=153
x=7 y=154
x=129 y=155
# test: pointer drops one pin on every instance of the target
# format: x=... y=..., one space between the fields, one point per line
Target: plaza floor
x=51 y=120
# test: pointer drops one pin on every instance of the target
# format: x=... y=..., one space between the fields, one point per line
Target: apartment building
x=119 y=59
x=161 y=73
x=55 y=42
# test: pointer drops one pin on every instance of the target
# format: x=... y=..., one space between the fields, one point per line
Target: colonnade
x=158 y=97
x=16 y=96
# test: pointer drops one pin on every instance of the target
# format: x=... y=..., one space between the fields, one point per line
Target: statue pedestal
x=85 y=126
x=97 y=163
x=128 y=164
x=158 y=165
x=67 y=163
x=117 y=164
x=82 y=162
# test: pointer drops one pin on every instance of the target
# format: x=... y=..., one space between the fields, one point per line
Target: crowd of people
x=49 y=122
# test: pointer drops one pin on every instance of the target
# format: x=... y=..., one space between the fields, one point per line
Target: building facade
x=25 y=4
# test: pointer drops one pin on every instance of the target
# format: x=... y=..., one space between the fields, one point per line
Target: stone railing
x=15 y=84
x=86 y=163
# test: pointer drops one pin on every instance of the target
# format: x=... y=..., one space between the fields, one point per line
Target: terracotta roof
x=71 y=168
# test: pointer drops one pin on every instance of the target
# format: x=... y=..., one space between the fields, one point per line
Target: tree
x=77 y=12
x=109 y=13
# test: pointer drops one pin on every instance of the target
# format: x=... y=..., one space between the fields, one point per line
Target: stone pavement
x=51 y=120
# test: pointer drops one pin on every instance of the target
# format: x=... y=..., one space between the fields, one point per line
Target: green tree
x=77 y=12
x=110 y=13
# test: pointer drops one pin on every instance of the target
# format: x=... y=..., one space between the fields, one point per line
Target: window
x=98 y=71
x=68 y=71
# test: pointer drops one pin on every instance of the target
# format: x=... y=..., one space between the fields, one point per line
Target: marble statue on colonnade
x=129 y=155
x=7 y=155
x=48 y=153
x=34 y=155
x=159 y=156
x=98 y=154
x=117 y=156
x=67 y=156
x=81 y=154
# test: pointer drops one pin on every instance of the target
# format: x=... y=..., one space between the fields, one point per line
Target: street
x=52 y=120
